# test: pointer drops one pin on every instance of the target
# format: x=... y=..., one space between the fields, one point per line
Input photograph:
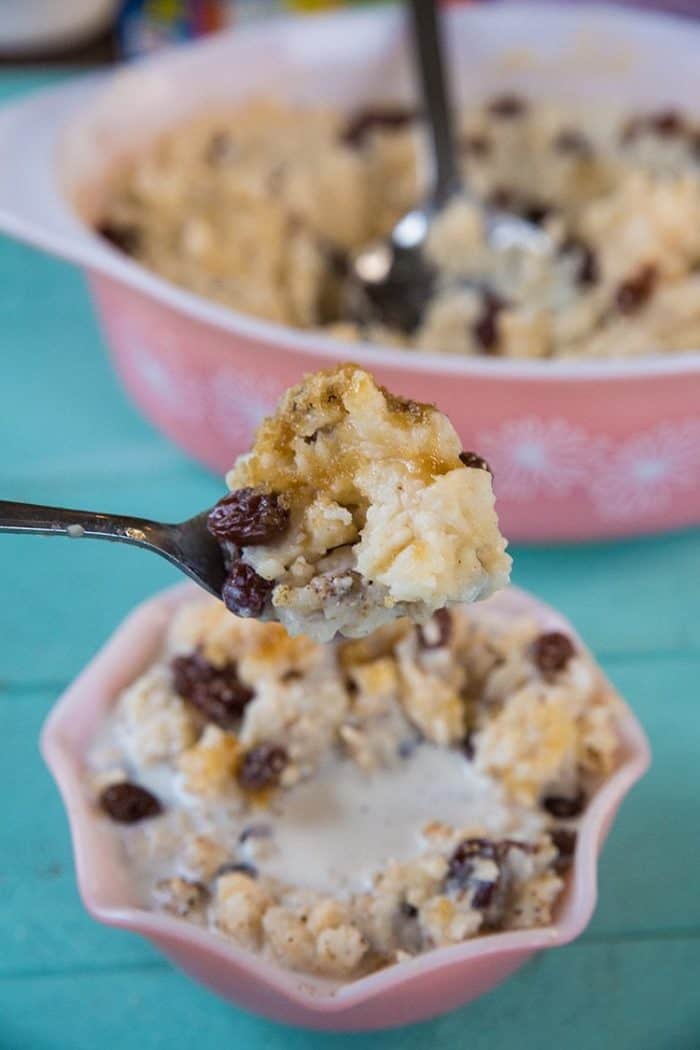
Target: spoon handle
x=429 y=54
x=58 y=521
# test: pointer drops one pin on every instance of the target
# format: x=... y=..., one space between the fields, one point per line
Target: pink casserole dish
x=579 y=450
x=409 y=991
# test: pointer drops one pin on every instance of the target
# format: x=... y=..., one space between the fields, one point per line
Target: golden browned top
x=335 y=423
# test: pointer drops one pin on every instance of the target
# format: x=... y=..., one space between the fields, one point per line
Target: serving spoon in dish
x=189 y=546
x=392 y=277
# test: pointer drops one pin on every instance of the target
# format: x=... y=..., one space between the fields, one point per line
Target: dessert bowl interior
x=410 y=991
x=581 y=449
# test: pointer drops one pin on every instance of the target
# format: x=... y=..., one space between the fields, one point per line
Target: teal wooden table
x=68 y=436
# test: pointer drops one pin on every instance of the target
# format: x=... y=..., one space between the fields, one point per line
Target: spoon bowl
x=392 y=280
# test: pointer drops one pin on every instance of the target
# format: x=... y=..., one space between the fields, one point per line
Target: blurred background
x=94 y=31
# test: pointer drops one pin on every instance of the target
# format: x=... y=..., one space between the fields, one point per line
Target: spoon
x=392 y=277
x=188 y=546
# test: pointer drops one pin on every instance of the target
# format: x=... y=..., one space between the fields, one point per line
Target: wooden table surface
x=69 y=436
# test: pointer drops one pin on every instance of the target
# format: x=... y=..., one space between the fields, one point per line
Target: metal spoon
x=189 y=546
x=393 y=277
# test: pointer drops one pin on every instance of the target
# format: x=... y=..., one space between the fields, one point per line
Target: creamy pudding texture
x=345 y=825
x=353 y=508
x=341 y=807
x=263 y=209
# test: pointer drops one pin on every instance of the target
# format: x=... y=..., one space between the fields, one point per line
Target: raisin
x=636 y=291
x=245 y=593
x=565 y=842
x=468 y=747
x=436 y=633
x=485 y=331
x=337 y=260
x=668 y=123
x=125 y=237
x=507 y=106
x=552 y=651
x=573 y=142
x=188 y=672
x=536 y=213
x=563 y=807
x=476 y=145
x=470 y=459
x=248 y=516
x=238 y=866
x=482 y=893
x=485 y=328
x=128 y=803
x=262 y=767
x=406 y=929
x=215 y=691
x=386 y=118
x=461 y=868
x=586 y=272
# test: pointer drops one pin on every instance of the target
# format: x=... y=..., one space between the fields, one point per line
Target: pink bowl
x=410 y=991
x=579 y=450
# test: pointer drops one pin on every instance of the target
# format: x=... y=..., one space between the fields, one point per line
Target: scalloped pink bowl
x=579 y=450
x=410 y=991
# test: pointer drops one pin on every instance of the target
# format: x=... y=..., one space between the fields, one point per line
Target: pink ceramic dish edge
x=579 y=450
x=411 y=991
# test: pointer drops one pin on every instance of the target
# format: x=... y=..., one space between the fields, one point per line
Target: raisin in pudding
x=355 y=507
x=339 y=808
x=263 y=209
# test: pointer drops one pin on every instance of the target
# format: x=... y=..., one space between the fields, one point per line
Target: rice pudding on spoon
x=353 y=508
